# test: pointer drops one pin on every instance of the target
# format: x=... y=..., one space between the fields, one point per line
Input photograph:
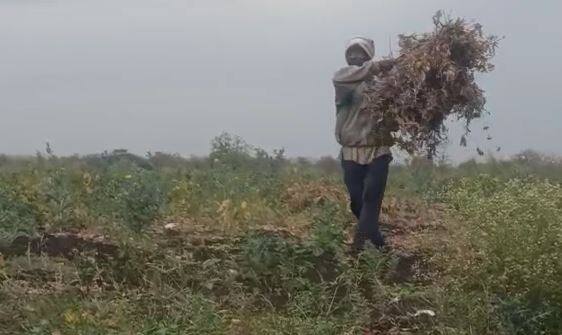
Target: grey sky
x=168 y=75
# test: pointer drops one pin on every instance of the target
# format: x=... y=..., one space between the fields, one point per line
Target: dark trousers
x=366 y=185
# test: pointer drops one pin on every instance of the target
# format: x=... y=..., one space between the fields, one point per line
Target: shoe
x=378 y=240
x=357 y=246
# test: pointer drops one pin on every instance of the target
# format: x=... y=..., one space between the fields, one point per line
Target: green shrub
x=515 y=228
x=270 y=260
x=135 y=196
x=173 y=312
x=276 y=324
x=61 y=198
x=328 y=231
x=15 y=214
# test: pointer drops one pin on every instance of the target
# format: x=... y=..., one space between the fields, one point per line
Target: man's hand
x=386 y=65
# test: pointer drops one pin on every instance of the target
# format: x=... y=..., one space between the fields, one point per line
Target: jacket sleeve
x=347 y=78
x=354 y=74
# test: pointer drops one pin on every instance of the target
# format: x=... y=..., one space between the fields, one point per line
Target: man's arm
x=383 y=66
x=353 y=74
x=346 y=78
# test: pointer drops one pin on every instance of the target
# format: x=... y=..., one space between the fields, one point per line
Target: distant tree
x=303 y=161
x=529 y=156
x=4 y=159
x=162 y=159
x=328 y=165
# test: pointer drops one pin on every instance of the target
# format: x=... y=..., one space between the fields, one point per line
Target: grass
x=247 y=242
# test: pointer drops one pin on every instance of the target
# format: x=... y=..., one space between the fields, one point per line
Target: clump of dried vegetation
x=434 y=78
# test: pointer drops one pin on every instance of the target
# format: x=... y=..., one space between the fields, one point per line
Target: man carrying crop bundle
x=366 y=143
x=433 y=79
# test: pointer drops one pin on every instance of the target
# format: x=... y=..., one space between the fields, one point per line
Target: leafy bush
x=515 y=230
x=37 y=199
x=275 y=266
x=134 y=196
x=328 y=231
x=16 y=215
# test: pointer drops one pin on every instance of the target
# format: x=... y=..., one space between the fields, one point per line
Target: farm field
x=249 y=242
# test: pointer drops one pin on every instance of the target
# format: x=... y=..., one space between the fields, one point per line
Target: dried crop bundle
x=433 y=78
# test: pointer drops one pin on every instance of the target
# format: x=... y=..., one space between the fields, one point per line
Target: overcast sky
x=169 y=75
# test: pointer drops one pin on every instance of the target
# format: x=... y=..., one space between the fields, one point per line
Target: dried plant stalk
x=434 y=78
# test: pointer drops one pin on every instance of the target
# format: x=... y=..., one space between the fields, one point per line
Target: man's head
x=359 y=50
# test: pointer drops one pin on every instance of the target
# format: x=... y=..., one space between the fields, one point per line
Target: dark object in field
x=61 y=244
x=433 y=78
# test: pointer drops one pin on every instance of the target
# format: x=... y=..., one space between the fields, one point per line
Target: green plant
x=135 y=197
x=328 y=230
x=15 y=215
x=514 y=229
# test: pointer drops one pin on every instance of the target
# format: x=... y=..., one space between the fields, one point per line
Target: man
x=365 y=152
